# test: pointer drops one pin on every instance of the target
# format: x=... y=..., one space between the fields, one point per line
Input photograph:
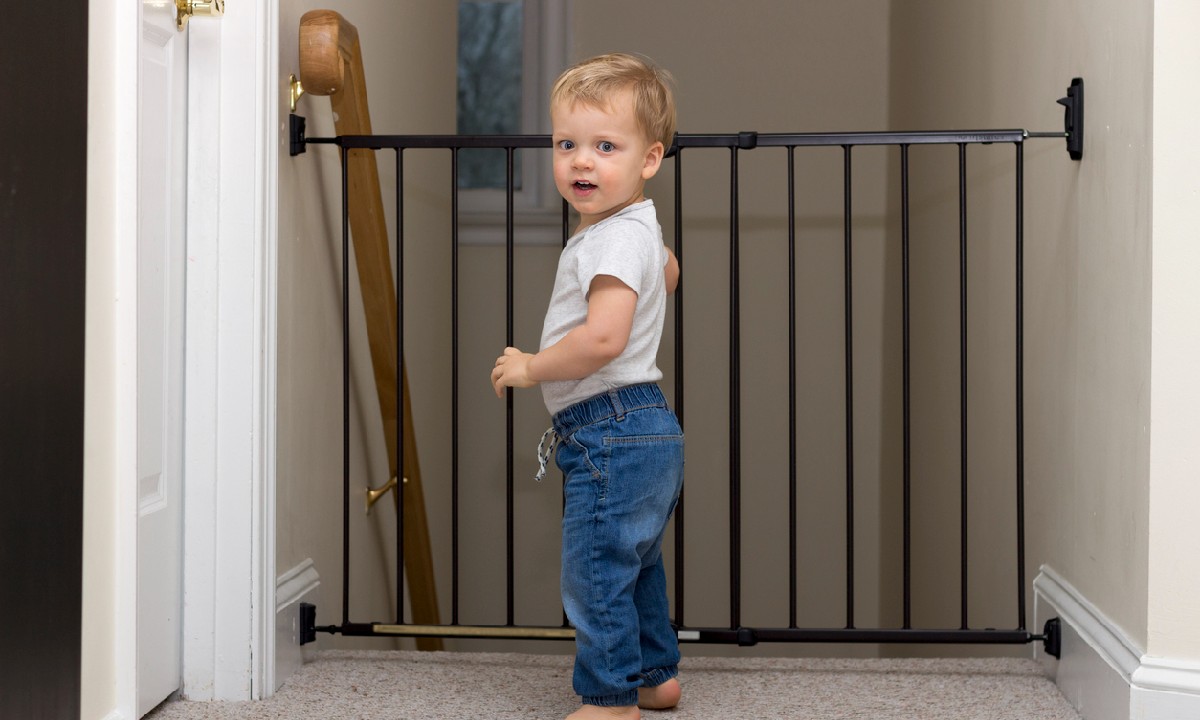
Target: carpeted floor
x=382 y=685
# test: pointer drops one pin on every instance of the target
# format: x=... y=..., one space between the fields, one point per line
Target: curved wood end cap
x=327 y=42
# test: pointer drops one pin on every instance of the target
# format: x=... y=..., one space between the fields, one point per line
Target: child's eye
x=566 y=145
x=607 y=147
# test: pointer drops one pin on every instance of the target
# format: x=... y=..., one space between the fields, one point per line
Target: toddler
x=619 y=446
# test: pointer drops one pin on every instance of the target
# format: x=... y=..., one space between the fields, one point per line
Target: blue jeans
x=622 y=455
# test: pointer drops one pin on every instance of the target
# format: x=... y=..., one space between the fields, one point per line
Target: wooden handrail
x=331 y=64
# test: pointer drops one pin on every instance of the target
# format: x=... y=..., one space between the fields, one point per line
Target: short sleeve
x=624 y=250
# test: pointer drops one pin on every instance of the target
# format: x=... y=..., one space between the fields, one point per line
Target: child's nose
x=582 y=160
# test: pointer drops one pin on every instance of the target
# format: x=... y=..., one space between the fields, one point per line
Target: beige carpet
x=382 y=685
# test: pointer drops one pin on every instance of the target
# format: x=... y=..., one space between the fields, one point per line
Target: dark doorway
x=43 y=250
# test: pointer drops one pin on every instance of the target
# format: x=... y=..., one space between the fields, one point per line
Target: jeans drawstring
x=543 y=456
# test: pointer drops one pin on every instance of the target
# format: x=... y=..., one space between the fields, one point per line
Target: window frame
x=537 y=206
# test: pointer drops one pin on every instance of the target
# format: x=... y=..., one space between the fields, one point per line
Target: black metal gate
x=735 y=145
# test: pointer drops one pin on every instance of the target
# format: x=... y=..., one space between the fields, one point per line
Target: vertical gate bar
x=679 y=534
x=1020 y=362
x=345 y=391
x=962 y=322
x=791 y=185
x=566 y=235
x=454 y=386
x=849 y=330
x=566 y=222
x=399 y=385
x=509 y=342
x=735 y=444
x=904 y=245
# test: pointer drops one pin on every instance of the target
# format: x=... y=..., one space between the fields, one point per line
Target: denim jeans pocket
x=645 y=474
x=574 y=456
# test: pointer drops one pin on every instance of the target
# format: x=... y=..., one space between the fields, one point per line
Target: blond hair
x=595 y=81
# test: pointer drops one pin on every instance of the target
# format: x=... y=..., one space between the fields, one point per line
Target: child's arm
x=672 y=271
x=583 y=350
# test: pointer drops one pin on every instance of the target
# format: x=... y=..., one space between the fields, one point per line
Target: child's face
x=602 y=159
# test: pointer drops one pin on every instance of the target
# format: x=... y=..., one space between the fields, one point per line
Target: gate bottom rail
x=742 y=636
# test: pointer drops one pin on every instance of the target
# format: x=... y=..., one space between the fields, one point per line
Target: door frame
x=229 y=537
x=230 y=378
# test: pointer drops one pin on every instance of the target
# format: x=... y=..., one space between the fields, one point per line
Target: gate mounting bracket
x=308 y=623
x=296 y=134
x=1073 y=118
x=1052 y=637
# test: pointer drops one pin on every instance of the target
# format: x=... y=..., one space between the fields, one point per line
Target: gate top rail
x=742 y=140
x=1072 y=132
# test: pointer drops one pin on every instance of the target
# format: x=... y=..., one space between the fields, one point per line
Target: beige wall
x=409 y=64
x=1087 y=271
x=829 y=69
x=840 y=47
x=773 y=67
x=851 y=66
x=813 y=52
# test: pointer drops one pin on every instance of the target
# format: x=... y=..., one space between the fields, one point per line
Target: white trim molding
x=293 y=585
x=264 y=344
x=229 y=560
x=1165 y=688
x=1105 y=674
x=126 y=43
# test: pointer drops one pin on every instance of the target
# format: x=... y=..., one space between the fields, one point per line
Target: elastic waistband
x=614 y=403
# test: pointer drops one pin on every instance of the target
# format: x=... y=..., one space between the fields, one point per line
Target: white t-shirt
x=629 y=247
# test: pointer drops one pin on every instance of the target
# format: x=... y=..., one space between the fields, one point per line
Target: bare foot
x=597 y=712
x=660 y=697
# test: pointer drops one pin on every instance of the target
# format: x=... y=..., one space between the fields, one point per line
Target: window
x=490 y=46
x=509 y=52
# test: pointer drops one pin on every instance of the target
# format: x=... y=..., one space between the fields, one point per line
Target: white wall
x=1174 y=567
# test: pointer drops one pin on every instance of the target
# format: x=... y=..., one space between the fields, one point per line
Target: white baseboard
x=291 y=588
x=1103 y=673
x=1166 y=688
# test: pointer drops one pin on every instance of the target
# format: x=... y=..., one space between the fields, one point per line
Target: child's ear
x=654 y=157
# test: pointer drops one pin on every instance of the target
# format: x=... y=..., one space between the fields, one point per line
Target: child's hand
x=512 y=370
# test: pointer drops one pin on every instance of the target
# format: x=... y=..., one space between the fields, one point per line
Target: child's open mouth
x=584 y=186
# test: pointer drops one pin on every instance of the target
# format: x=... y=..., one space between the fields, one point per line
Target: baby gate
x=736 y=631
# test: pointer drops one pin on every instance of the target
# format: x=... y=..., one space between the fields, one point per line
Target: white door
x=162 y=116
